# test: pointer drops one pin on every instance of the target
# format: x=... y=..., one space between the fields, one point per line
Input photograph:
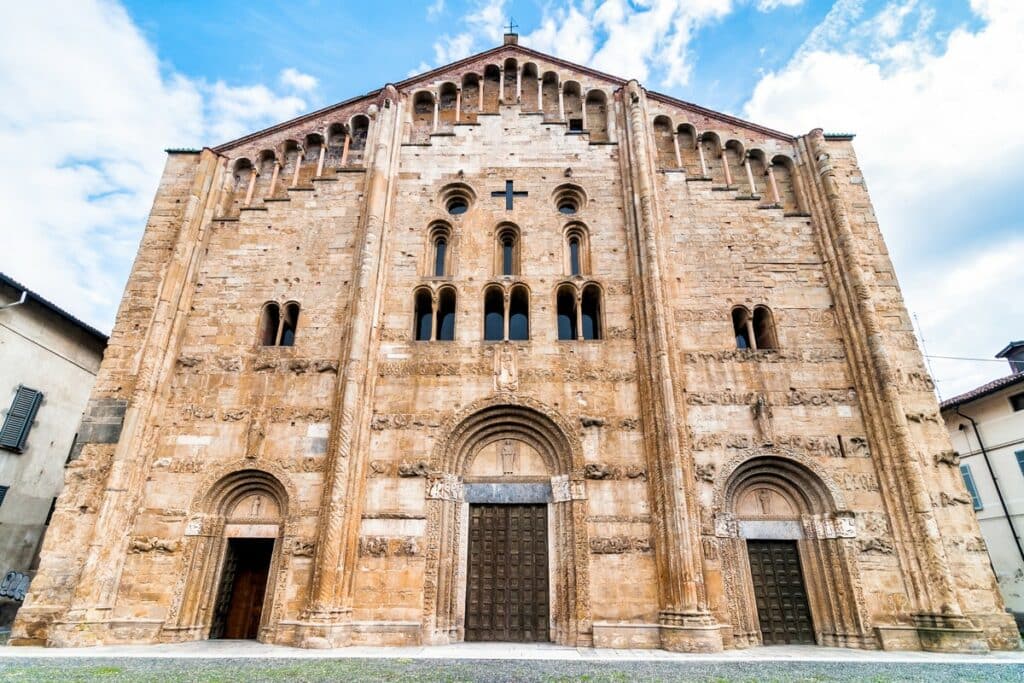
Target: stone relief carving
x=710 y=548
x=233 y=414
x=506 y=368
x=254 y=437
x=950 y=458
x=380 y=422
x=808 y=445
x=822 y=398
x=510 y=456
x=301 y=548
x=876 y=545
x=378 y=468
x=305 y=464
x=618 y=545
x=189 y=361
x=444 y=487
x=389 y=546
x=152 y=544
x=766 y=356
x=588 y=421
x=761 y=410
x=598 y=470
x=560 y=491
x=924 y=417
x=858 y=481
x=420 y=468
x=950 y=500
x=971 y=544
x=706 y=472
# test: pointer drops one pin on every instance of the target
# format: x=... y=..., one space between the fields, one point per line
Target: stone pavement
x=231 y=649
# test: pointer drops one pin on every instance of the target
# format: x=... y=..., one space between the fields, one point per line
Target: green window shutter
x=965 y=470
x=3 y=493
x=18 y=422
x=1020 y=461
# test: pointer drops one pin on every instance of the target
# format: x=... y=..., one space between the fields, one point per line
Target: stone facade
x=659 y=447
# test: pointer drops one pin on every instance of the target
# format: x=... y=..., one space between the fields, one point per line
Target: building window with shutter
x=3 y=493
x=14 y=433
x=1020 y=461
x=965 y=470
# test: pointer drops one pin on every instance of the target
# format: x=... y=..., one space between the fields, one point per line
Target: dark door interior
x=507 y=591
x=243 y=586
x=782 y=607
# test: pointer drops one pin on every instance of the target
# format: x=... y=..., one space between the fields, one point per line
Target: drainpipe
x=24 y=296
x=995 y=481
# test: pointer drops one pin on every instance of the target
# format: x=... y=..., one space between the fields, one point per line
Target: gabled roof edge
x=661 y=97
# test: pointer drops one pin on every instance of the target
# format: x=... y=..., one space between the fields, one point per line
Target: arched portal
x=504 y=453
x=787 y=551
x=232 y=582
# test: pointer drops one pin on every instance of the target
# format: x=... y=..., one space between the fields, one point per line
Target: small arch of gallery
x=463 y=99
x=754 y=173
x=270 y=173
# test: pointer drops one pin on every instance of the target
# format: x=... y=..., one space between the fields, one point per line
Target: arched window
x=439 y=253
x=549 y=97
x=782 y=170
x=565 y=302
x=270 y=321
x=686 y=136
x=507 y=256
x=577 y=256
x=470 y=97
x=590 y=312
x=711 y=148
x=664 y=145
x=423 y=314
x=314 y=142
x=289 y=324
x=492 y=82
x=446 y=314
x=573 y=105
x=519 y=314
x=422 y=117
x=278 y=328
x=742 y=328
x=336 y=139
x=511 y=72
x=530 y=88
x=597 y=116
x=494 y=314
x=764 y=329
x=447 y=96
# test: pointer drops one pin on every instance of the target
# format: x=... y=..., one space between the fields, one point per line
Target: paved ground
x=238 y=661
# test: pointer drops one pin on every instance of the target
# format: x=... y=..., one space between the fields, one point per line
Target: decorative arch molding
x=211 y=521
x=813 y=513
x=463 y=435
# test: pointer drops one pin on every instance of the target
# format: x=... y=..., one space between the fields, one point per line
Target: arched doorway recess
x=454 y=486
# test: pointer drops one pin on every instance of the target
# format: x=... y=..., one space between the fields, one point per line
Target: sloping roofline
x=982 y=391
x=53 y=308
x=660 y=97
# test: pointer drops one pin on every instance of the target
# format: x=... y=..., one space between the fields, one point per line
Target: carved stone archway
x=243 y=503
x=463 y=436
x=777 y=497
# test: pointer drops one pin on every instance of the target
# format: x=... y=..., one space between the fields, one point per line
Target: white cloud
x=298 y=81
x=435 y=9
x=770 y=5
x=940 y=140
x=83 y=132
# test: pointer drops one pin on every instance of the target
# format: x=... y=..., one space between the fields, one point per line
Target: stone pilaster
x=85 y=617
x=685 y=621
x=326 y=620
x=937 y=613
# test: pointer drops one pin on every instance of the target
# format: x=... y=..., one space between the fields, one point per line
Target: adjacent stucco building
x=48 y=363
x=515 y=350
x=986 y=426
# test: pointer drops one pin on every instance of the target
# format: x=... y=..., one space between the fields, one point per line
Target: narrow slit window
x=446 y=315
x=574 y=256
x=424 y=314
x=270 y=321
x=494 y=315
x=740 y=327
x=764 y=329
x=590 y=312
x=508 y=254
x=289 y=324
x=566 y=304
x=519 y=315
x=440 y=253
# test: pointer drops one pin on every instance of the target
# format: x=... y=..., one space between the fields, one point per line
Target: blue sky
x=94 y=90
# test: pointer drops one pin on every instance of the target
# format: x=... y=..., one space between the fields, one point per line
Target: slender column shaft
x=458 y=105
x=344 y=149
x=480 y=94
x=437 y=105
x=750 y=175
x=675 y=145
x=775 y=188
x=273 y=178
x=703 y=162
x=252 y=186
x=298 y=166
x=725 y=167
x=323 y=156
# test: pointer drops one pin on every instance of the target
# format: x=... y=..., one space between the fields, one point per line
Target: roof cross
x=512 y=25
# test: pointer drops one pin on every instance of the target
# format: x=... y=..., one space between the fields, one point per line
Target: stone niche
x=507 y=458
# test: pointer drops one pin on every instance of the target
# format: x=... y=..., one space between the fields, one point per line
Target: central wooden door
x=507 y=587
x=243 y=588
x=782 y=608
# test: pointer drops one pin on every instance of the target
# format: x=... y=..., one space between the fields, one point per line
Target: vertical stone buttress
x=938 y=614
x=89 y=610
x=686 y=624
x=326 y=622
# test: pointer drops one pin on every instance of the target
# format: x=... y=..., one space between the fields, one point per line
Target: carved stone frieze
x=947 y=457
x=876 y=545
x=765 y=356
x=953 y=499
x=444 y=487
x=619 y=545
x=420 y=468
x=381 y=422
x=389 y=546
x=150 y=544
x=706 y=472
x=300 y=547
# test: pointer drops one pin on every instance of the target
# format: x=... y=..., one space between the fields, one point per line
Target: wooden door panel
x=783 y=611
x=506 y=595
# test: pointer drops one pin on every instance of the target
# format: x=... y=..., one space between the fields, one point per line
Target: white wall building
x=986 y=426
x=48 y=362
